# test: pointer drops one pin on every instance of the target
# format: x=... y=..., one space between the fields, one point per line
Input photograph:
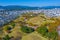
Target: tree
x=50 y=35
x=42 y=30
x=12 y=24
x=7 y=28
x=6 y=37
x=54 y=35
x=26 y=29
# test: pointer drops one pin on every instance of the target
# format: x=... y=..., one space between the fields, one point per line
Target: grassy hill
x=34 y=36
x=28 y=27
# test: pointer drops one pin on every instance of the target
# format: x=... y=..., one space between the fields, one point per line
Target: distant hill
x=49 y=7
x=15 y=7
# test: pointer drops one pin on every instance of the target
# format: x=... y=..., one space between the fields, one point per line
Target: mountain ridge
x=15 y=7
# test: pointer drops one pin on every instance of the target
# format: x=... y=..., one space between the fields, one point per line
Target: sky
x=37 y=3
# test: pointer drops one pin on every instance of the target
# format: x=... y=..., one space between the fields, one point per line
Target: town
x=7 y=16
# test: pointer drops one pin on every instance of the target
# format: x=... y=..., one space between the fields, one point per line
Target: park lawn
x=33 y=36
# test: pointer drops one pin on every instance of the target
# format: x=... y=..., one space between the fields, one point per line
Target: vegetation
x=7 y=28
x=6 y=37
x=44 y=32
x=53 y=35
x=34 y=36
x=12 y=24
x=27 y=29
x=32 y=26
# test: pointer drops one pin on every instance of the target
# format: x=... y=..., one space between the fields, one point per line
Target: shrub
x=6 y=37
x=26 y=29
x=54 y=35
x=13 y=24
x=42 y=30
x=8 y=28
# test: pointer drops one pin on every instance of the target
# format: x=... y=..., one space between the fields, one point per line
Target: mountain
x=49 y=7
x=1 y=7
x=15 y=7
